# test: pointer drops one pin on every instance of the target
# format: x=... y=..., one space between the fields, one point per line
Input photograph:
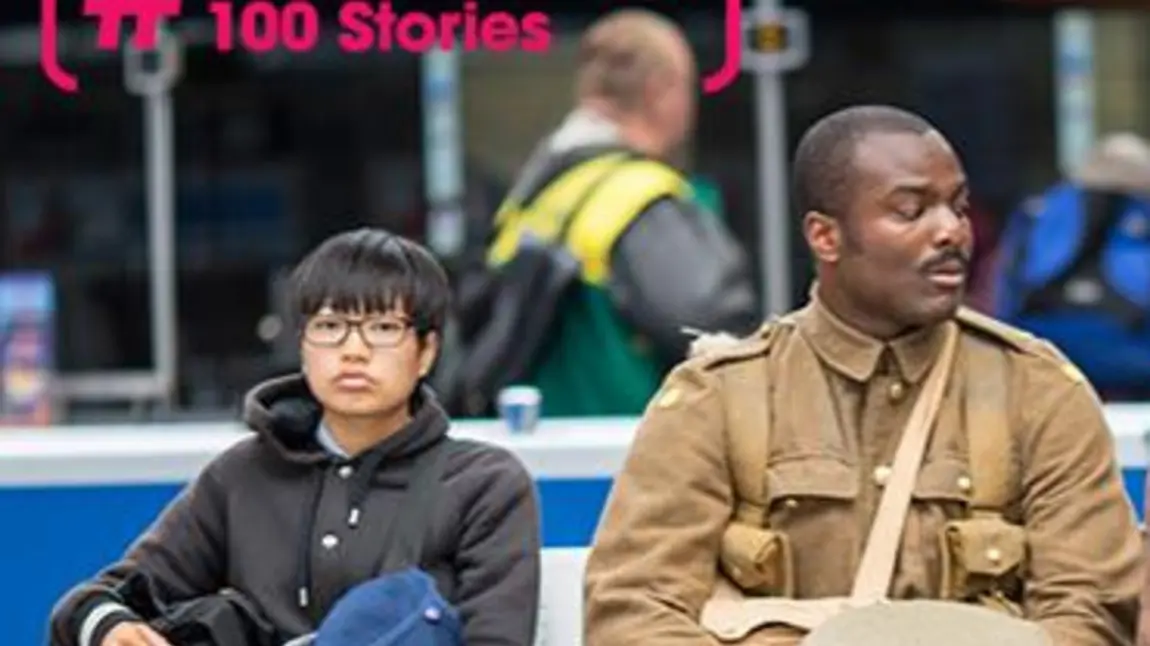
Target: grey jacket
x=272 y=518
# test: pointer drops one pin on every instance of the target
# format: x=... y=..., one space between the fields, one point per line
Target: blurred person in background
x=650 y=260
x=310 y=505
x=1074 y=266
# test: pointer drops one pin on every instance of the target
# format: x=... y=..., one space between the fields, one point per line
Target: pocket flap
x=811 y=478
x=757 y=559
x=944 y=479
x=987 y=546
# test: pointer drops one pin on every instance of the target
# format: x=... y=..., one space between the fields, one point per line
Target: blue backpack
x=1075 y=270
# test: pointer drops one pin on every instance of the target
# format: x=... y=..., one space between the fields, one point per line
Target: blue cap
x=400 y=609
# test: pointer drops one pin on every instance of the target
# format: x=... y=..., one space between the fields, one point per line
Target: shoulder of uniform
x=995 y=330
x=1019 y=341
x=710 y=352
x=708 y=358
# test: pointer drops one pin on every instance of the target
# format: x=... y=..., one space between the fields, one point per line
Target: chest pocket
x=945 y=483
x=785 y=512
x=984 y=553
x=941 y=495
x=812 y=502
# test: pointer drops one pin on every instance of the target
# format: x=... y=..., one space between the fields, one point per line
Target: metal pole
x=151 y=76
x=1074 y=85
x=443 y=152
x=774 y=232
x=159 y=160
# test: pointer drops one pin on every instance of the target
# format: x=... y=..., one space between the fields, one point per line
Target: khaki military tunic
x=838 y=402
x=1144 y=622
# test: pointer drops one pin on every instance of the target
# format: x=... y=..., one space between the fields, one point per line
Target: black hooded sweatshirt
x=293 y=527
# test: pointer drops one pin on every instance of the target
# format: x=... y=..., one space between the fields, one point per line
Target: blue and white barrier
x=72 y=498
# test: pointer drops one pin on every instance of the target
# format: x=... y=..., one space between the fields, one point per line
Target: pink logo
x=365 y=26
x=260 y=26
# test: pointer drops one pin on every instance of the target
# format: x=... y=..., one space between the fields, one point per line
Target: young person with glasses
x=309 y=506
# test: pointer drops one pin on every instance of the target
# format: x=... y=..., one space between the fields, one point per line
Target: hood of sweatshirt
x=285 y=414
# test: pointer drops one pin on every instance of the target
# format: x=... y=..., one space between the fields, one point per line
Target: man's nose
x=951 y=228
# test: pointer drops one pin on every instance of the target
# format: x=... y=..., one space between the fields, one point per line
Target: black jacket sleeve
x=182 y=553
x=498 y=562
x=675 y=267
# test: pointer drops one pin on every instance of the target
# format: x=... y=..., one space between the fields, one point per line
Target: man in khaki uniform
x=1018 y=505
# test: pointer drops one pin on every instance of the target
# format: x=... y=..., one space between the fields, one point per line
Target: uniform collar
x=857 y=355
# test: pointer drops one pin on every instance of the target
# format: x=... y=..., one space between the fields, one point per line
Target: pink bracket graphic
x=733 y=57
x=49 y=52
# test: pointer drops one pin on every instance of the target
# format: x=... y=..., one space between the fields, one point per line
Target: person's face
x=901 y=251
x=364 y=364
x=671 y=101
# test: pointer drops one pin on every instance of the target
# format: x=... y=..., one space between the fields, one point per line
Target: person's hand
x=133 y=633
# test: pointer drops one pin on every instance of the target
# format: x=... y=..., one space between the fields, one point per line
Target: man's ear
x=428 y=352
x=824 y=236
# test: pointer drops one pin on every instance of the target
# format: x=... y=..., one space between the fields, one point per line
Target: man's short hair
x=824 y=173
x=620 y=52
x=372 y=270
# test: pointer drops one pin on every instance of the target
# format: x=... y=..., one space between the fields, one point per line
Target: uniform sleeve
x=653 y=561
x=1084 y=544
x=182 y=554
x=676 y=268
x=1144 y=621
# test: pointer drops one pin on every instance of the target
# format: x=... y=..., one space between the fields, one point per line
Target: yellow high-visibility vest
x=626 y=186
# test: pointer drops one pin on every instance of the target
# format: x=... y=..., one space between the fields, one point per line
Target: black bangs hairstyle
x=372 y=270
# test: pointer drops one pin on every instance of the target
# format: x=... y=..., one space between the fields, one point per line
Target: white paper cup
x=519 y=407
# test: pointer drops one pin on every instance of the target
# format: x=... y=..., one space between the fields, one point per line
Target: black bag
x=506 y=314
x=227 y=618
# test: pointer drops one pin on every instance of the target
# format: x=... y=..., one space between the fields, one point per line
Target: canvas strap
x=876 y=570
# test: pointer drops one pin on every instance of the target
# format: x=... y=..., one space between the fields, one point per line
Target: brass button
x=881 y=475
x=964 y=484
x=994 y=555
x=896 y=391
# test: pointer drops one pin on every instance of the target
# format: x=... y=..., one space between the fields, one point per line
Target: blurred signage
x=775 y=40
x=27 y=348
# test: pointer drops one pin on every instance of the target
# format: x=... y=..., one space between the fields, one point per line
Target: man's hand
x=131 y=633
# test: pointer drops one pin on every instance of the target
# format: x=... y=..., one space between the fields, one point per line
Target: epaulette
x=1016 y=338
x=1019 y=340
x=756 y=344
